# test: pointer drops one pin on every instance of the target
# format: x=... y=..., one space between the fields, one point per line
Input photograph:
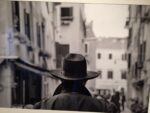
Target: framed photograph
x=75 y=56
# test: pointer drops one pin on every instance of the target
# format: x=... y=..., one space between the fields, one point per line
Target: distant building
x=111 y=63
x=89 y=30
x=90 y=45
x=138 y=24
x=70 y=30
x=27 y=52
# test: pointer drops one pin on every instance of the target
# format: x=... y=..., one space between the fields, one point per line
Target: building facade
x=90 y=44
x=70 y=30
x=27 y=52
x=111 y=63
x=138 y=24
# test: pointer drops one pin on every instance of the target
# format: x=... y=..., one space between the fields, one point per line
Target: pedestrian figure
x=72 y=94
x=136 y=107
x=123 y=99
x=115 y=99
x=112 y=108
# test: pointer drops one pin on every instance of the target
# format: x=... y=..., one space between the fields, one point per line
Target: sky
x=108 y=20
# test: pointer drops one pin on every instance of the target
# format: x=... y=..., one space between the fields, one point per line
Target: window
x=143 y=50
x=124 y=57
x=43 y=33
x=27 y=24
x=123 y=75
x=38 y=35
x=110 y=56
x=100 y=74
x=61 y=51
x=99 y=56
x=86 y=48
x=67 y=13
x=16 y=15
x=129 y=38
x=31 y=56
x=47 y=6
x=110 y=75
x=129 y=60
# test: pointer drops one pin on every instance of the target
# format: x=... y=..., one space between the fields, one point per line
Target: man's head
x=77 y=82
x=73 y=85
x=117 y=93
x=74 y=69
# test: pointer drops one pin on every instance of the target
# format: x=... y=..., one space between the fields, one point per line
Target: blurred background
x=36 y=36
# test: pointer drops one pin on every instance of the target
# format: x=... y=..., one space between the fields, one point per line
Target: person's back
x=72 y=94
x=115 y=99
x=123 y=98
x=74 y=102
x=110 y=106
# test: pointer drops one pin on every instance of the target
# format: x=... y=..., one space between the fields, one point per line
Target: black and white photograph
x=74 y=56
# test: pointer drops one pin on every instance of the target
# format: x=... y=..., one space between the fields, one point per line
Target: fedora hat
x=74 y=68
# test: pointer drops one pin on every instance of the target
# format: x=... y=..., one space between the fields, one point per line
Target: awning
x=32 y=68
x=138 y=83
x=6 y=59
x=1 y=61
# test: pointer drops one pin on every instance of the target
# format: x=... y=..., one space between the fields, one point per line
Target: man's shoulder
x=75 y=96
x=65 y=99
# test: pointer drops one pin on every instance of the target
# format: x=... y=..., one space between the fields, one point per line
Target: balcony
x=139 y=65
x=138 y=83
x=65 y=23
x=22 y=38
x=30 y=48
x=67 y=18
x=146 y=18
x=44 y=54
x=66 y=15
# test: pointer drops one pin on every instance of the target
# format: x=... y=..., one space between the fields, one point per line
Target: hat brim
x=60 y=75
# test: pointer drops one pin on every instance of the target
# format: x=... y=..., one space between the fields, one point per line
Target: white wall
x=6 y=77
x=49 y=84
x=6 y=73
x=71 y=34
x=116 y=64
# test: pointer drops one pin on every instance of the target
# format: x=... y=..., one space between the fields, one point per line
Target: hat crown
x=74 y=65
x=74 y=68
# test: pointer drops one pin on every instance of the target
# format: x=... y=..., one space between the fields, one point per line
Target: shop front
x=21 y=83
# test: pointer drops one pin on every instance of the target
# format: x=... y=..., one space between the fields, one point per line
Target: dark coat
x=111 y=107
x=115 y=99
x=80 y=100
x=123 y=99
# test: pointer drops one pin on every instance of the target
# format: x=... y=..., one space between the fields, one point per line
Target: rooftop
x=89 y=29
x=112 y=43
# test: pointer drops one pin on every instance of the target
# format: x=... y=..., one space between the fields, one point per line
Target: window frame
x=99 y=55
x=27 y=23
x=108 y=74
x=110 y=56
x=16 y=15
x=122 y=73
x=124 y=57
x=68 y=17
x=86 y=48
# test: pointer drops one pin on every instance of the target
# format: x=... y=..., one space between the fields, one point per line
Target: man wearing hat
x=72 y=94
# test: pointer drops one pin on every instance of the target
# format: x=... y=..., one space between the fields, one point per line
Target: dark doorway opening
x=27 y=89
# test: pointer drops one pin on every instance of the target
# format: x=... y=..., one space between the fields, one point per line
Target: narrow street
x=80 y=49
x=126 y=111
